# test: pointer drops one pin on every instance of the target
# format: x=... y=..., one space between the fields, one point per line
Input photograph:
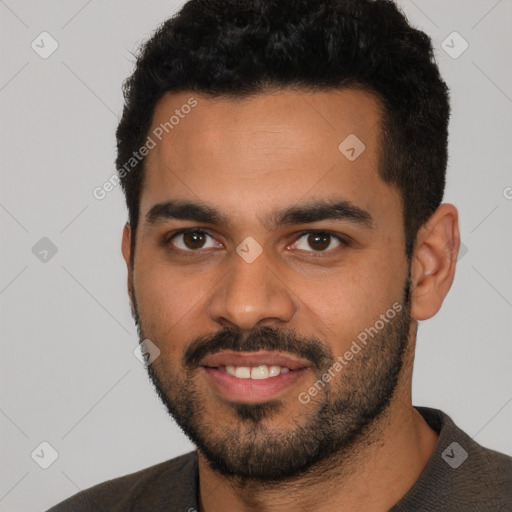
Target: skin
x=248 y=158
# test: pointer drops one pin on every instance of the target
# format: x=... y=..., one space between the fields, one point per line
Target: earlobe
x=126 y=248
x=126 y=244
x=434 y=261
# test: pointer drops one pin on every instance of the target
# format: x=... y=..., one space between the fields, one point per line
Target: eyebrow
x=312 y=211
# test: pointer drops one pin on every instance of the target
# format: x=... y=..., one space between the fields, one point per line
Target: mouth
x=253 y=377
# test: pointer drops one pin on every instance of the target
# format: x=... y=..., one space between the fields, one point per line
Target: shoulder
x=461 y=474
x=495 y=470
x=152 y=488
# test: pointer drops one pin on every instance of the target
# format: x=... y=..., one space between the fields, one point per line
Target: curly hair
x=236 y=48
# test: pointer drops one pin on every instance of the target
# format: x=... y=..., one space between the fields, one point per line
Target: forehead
x=255 y=152
x=287 y=116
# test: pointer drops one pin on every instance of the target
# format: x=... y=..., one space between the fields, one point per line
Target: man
x=284 y=167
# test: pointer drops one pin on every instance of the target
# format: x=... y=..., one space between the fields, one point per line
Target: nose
x=252 y=294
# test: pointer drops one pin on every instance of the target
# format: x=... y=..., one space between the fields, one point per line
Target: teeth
x=259 y=372
x=274 y=371
x=255 y=372
x=243 y=372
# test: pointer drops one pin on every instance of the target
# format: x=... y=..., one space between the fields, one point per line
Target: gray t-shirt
x=461 y=476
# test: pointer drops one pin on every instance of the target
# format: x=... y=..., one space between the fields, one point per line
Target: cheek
x=163 y=317
x=350 y=300
x=166 y=298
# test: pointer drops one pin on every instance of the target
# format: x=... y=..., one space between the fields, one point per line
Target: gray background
x=68 y=375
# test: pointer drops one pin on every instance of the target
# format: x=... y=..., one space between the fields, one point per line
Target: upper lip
x=228 y=358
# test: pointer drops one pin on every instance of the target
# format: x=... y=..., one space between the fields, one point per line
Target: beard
x=242 y=444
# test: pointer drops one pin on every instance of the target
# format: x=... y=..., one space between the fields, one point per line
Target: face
x=270 y=272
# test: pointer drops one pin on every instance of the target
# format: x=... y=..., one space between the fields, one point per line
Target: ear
x=434 y=262
x=126 y=249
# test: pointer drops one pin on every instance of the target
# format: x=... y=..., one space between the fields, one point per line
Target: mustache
x=263 y=338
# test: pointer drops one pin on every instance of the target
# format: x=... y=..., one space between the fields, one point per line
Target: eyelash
x=344 y=242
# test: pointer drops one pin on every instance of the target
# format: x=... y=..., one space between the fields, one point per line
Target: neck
x=388 y=460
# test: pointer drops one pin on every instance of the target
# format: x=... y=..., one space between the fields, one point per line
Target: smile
x=253 y=377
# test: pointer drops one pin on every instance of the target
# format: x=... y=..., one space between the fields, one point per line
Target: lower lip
x=252 y=390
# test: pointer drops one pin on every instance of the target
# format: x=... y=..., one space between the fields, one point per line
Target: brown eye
x=192 y=240
x=318 y=241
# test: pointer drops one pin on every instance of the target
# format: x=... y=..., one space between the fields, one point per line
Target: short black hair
x=237 y=48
